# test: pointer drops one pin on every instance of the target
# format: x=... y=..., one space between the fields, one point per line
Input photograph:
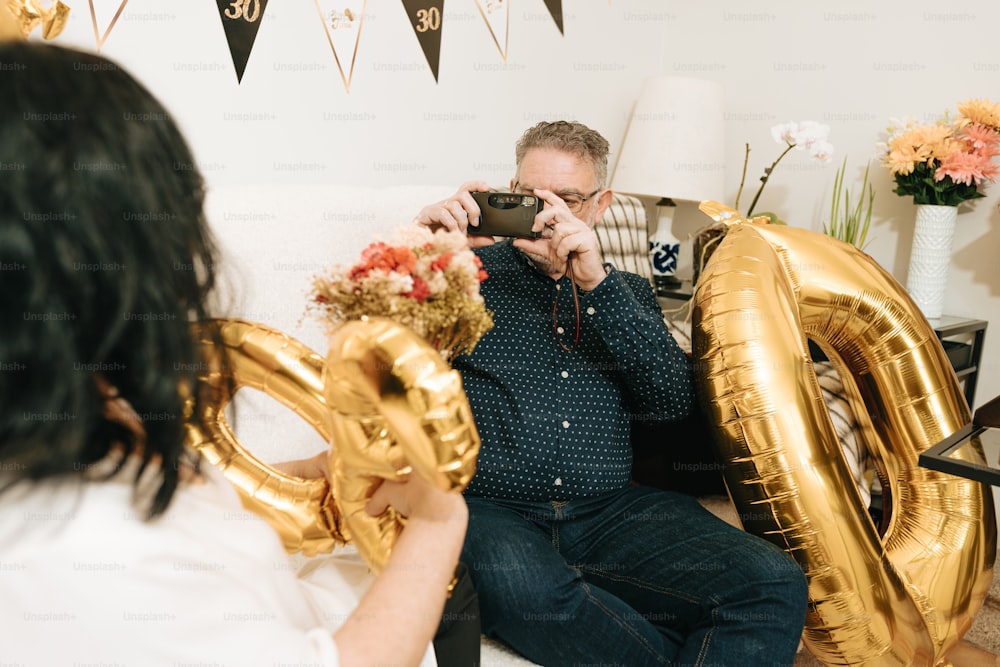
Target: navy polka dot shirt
x=554 y=423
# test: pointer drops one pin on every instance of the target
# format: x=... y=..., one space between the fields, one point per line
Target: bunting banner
x=105 y=13
x=342 y=22
x=555 y=9
x=241 y=20
x=425 y=17
x=497 y=16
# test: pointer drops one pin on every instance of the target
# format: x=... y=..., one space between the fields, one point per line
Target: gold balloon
x=400 y=409
x=10 y=28
x=29 y=14
x=388 y=402
x=904 y=598
x=302 y=511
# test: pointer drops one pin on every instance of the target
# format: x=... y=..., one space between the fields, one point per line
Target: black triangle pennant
x=241 y=20
x=425 y=17
x=555 y=9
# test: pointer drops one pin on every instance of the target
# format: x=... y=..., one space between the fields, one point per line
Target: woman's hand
x=418 y=500
x=311 y=468
x=408 y=596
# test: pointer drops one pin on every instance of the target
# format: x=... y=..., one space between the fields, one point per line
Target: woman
x=117 y=544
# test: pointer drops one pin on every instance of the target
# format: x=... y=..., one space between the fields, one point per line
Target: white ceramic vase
x=930 y=257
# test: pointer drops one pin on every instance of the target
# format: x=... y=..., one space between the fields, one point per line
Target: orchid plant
x=807 y=135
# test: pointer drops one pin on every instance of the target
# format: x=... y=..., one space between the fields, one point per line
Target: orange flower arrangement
x=946 y=162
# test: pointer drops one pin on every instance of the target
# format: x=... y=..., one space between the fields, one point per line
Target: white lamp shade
x=675 y=141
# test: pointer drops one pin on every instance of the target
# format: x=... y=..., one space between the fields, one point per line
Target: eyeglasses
x=574 y=200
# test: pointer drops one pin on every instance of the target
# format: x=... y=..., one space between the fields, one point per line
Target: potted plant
x=849 y=221
x=941 y=165
x=807 y=135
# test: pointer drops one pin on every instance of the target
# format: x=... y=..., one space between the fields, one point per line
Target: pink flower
x=420 y=290
x=388 y=258
x=983 y=140
x=481 y=274
x=442 y=261
x=967 y=168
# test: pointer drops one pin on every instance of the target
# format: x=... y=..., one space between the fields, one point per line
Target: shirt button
x=560 y=330
x=558 y=481
x=590 y=310
x=565 y=374
x=565 y=424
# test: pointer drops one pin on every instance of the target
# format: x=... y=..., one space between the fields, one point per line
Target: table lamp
x=673 y=150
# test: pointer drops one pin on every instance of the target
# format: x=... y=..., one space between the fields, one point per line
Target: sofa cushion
x=623 y=236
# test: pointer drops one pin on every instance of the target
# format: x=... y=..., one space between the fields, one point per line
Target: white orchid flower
x=821 y=150
x=784 y=133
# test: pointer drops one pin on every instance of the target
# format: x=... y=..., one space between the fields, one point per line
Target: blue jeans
x=636 y=577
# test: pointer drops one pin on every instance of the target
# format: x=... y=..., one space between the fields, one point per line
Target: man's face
x=565 y=174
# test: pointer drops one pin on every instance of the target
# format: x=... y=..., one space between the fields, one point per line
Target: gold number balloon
x=904 y=598
x=302 y=511
x=387 y=401
x=29 y=14
x=399 y=410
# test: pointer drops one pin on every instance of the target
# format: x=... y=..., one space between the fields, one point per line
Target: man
x=571 y=561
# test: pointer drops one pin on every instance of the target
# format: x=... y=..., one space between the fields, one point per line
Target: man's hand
x=564 y=234
x=456 y=213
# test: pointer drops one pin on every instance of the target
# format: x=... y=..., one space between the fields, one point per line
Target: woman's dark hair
x=107 y=262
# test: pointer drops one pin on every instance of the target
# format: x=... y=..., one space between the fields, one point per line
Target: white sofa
x=274 y=238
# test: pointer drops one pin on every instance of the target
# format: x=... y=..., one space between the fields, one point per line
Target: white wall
x=850 y=64
x=395 y=126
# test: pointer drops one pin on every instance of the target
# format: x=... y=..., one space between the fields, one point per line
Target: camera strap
x=576 y=306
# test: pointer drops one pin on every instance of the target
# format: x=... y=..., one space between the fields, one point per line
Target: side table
x=972 y=452
x=962 y=339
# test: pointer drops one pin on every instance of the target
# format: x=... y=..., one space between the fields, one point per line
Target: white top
x=85 y=581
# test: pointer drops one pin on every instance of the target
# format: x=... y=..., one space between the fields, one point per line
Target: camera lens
x=504 y=201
